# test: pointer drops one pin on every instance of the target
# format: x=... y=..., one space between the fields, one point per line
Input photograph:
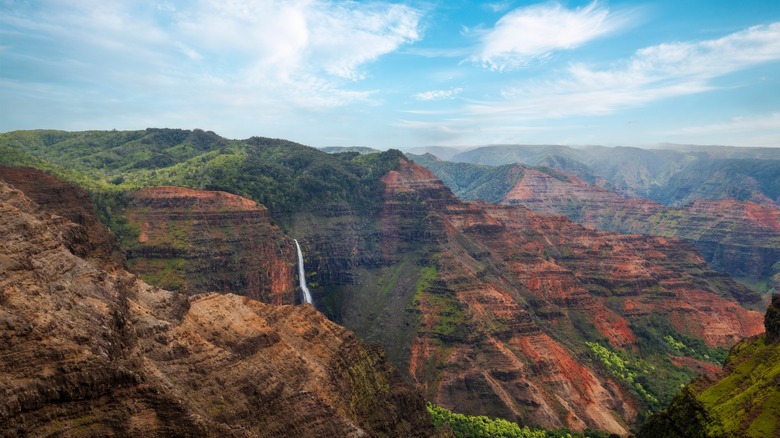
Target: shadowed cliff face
x=203 y=241
x=89 y=352
x=507 y=299
x=738 y=237
x=88 y=238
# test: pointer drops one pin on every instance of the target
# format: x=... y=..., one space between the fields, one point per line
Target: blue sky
x=399 y=74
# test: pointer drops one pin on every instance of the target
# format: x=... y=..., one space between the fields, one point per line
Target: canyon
x=504 y=322
x=488 y=309
x=739 y=237
x=89 y=349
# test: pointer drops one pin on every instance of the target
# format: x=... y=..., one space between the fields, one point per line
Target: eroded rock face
x=206 y=241
x=738 y=237
x=88 y=352
x=88 y=238
x=508 y=292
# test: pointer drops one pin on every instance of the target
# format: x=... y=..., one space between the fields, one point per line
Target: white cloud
x=535 y=32
x=287 y=38
x=651 y=74
x=438 y=94
x=304 y=53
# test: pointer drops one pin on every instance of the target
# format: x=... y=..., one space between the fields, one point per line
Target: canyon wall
x=209 y=241
x=741 y=238
x=93 y=352
x=507 y=300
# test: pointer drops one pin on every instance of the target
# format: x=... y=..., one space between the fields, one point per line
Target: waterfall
x=302 y=276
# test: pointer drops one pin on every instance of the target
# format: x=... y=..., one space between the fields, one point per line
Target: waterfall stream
x=302 y=276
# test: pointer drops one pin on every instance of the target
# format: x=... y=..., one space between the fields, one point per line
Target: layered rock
x=505 y=295
x=89 y=238
x=90 y=352
x=738 y=237
x=208 y=241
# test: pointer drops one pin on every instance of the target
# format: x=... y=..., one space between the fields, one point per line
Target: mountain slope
x=492 y=309
x=738 y=237
x=90 y=352
x=672 y=175
x=743 y=400
x=509 y=300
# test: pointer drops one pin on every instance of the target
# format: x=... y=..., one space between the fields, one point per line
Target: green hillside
x=742 y=402
x=284 y=176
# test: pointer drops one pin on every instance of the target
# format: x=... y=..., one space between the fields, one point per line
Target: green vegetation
x=656 y=335
x=467 y=426
x=650 y=373
x=630 y=371
x=284 y=176
x=473 y=181
x=744 y=403
x=451 y=324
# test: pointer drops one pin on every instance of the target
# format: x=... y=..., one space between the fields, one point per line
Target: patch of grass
x=748 y=399
x=481 y=426
x=626 y=369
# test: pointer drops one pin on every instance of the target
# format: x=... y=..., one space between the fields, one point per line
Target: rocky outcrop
x=739 y=401
x=506 y=300
x=741 y=238
x=88 y=238
x=90 y=352
x=206 y=241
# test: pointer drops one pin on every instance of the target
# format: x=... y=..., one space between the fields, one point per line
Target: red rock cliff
x=500 y=322
x=738 y=237
x=87 y=352
x=205 y=241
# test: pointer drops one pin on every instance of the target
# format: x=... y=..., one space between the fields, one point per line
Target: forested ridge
x=282 y=175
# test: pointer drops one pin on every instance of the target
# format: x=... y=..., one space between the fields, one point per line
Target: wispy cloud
x=651 y=74
x=761 y=130
x=438 y=94
x=300 y=52
x=497 y=6
x=534 y=32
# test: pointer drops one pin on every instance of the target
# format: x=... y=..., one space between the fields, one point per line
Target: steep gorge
x=507 y=299
x=93 y=352
x=493 y=309
x=738 y=237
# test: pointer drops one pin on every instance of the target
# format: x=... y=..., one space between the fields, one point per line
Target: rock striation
x=741 y=238
x=506 y=300
x=86 y=351
x=208 y=241
x=89 y=238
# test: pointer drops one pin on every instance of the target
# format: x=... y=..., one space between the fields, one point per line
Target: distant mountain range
x=674 y=176
x=740 y=237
